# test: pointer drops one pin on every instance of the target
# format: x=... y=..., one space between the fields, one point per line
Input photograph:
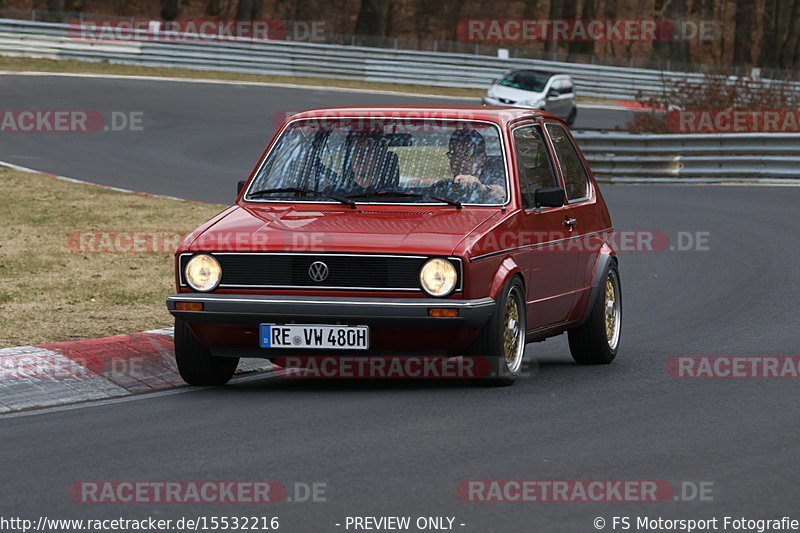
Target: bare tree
x=556 y=12
x=248 y=10
x=743 y=42
x=673 y=50
x=170 y=9
x=584 y=47
x=788 y=56
x=372 y=18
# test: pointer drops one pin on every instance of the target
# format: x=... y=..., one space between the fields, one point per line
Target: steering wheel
x=442 y=187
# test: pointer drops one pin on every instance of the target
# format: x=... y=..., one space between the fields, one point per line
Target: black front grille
x=275 y=270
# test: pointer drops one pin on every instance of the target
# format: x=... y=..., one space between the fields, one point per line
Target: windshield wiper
x=379 y=194
x=298 y=190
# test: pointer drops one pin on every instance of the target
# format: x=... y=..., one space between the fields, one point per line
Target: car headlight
x=438 y=277
x=203 y=273
x=538 y=104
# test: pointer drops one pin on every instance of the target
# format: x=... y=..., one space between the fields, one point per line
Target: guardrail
x=695 y=158
x=52 y=40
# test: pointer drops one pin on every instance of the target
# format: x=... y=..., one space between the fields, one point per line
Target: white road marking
x=13 y=166
x=231 y=82
x=610 y=106
x=132 y=398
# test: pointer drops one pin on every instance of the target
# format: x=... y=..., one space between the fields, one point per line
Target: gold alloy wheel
x=613 y=311
x=513 y=345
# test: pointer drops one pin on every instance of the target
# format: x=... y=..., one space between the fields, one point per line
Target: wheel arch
x=605 y=259
x=505 y=272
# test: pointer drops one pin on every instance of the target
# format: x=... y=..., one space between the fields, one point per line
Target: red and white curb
x=61 y=373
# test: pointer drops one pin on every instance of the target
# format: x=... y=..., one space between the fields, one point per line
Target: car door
x=551 y=269
x=568 y=91
x=558 y=104
x=584 y=223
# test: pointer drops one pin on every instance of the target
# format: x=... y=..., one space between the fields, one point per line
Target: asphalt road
x=401 y=448
x=193 y=140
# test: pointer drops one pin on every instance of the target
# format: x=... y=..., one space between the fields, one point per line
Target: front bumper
x=395 y=313
x=488 y=100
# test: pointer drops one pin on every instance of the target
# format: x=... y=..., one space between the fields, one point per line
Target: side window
x=566 y=87
x=534 y=165
x=576 y=179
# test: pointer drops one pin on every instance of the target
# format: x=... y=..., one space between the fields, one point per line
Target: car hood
x=409 y=229
x=518 y=95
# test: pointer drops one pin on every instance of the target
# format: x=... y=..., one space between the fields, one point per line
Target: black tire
x=490 y=342
x=572 y=115
x=196 y=365
x=590 y=343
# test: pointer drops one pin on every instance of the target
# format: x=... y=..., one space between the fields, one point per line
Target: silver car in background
x=554 y=93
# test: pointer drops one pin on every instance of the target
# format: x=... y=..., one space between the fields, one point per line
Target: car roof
x=541 y=72
x=501 y=115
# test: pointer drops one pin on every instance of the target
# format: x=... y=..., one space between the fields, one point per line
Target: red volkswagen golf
x=403 y=231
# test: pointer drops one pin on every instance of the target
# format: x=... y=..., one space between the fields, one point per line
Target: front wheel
x=502 y=339
x=196 y=365
x=571 y=117
x=596 y=341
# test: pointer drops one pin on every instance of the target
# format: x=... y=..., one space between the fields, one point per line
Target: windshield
x=527 y=80
x=384 y=160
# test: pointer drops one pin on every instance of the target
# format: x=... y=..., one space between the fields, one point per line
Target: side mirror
x=552 y=93
x=548 y=197
x=240 y=186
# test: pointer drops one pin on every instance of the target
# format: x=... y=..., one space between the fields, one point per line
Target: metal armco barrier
x=53 y=41
x=692 y=158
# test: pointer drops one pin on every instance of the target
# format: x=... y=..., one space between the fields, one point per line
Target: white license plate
x=313 y=336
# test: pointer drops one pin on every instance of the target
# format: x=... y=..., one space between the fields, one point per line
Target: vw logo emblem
x=318 y=271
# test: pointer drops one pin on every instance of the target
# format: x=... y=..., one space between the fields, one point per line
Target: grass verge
x=49 y=293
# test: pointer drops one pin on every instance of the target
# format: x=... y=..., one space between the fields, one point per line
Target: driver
x=471 y=166
x=367 y=168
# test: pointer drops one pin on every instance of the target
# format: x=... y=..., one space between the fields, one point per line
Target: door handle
x=570 y=222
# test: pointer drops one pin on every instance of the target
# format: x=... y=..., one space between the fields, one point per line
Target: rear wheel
x=596 y=341
x=196 y=365
x=502 y=339
x=571 y=116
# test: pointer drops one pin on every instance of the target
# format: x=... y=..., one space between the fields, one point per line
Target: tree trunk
x=372 y=16
x=743 y=36
x=584 y=47
x=771 y=43
x=676 y=51
x=248 y=10
x=556 y=12
x=786 y=59
x=170 y=9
